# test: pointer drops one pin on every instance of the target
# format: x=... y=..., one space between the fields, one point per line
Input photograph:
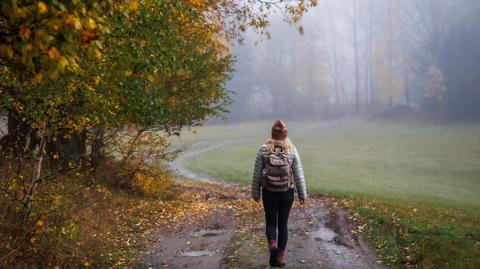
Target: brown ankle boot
x=272 y=247
x=281 y=259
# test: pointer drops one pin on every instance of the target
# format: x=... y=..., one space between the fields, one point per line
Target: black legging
x=277 y=204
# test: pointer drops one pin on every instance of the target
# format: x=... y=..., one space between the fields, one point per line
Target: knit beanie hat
x=279 y=130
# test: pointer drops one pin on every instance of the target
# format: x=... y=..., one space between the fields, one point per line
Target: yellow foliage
x=6 y=50
x=39 y=33
x=63 y=62
x=53 y=53
x=151 y=185
x=133 y=5
x=42 y=7
x=73 y=21
x=91 y=24
x=301 y=30
x=19 y=12
x=38 y=77
x=25 y=33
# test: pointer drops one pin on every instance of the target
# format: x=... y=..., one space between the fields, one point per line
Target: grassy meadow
x=416 y=184
x=407 y=161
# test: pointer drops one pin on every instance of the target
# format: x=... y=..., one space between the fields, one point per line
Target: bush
x=152 y=185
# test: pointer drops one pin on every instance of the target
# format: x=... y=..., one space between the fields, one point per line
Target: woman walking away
x=277 y=172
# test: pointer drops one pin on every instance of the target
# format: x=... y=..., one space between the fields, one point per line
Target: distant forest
x=388 y=57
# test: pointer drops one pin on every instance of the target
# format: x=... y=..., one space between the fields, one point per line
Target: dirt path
x=177 y=164
x=319 y=237
x=196 y=242
x=200 y=238
x=225 y=229
x=230 y=233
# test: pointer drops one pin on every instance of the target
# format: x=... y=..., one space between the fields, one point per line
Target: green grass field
x=417 y=162
x=416 y=184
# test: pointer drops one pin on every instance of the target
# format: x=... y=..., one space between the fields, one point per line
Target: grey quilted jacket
x=296 y=164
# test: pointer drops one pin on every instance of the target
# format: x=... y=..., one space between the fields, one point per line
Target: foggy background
x=389 y=58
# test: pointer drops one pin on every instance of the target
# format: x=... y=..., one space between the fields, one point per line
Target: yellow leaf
x=91 y=24
x=53 y=53
x=38 y=77
x=6 y=50
x=63 y=62
x=25 y=33
x=301 y=30
x=56 y=26
x=73 y=21
x=42 y=7
x=133 y=5
x=39 y=33
x=53 y=73
x=98 y=54
x=39 y=223
x=19 y=12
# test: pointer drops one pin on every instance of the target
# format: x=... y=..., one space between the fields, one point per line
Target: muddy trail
x=224 y=228
x=319 y=237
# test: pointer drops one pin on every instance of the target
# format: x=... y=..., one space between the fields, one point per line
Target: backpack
x=278 y=171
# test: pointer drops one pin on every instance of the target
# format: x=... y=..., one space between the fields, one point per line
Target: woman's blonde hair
x=286 y=144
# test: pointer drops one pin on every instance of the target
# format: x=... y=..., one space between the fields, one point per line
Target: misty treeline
x=389 y=57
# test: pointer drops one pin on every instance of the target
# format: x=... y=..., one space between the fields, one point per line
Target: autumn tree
x=74 y=71
x=41 y=43
x=82 y=78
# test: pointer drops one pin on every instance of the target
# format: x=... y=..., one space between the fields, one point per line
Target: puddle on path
x=198 y=253
x=324 y=234
x=207 y=233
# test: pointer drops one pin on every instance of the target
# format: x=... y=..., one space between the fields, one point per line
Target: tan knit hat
x=279 y=130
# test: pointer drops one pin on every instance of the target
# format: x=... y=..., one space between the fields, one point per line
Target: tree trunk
x=98 y=144
x=35 y=178
x=390 y=50
x=355 y=44
x=407 y=90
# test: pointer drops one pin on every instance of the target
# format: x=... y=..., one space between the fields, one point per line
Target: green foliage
x=170 y=69
x=156 y=71
x=151 y=73
x=45 y=37
x=75 y=75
